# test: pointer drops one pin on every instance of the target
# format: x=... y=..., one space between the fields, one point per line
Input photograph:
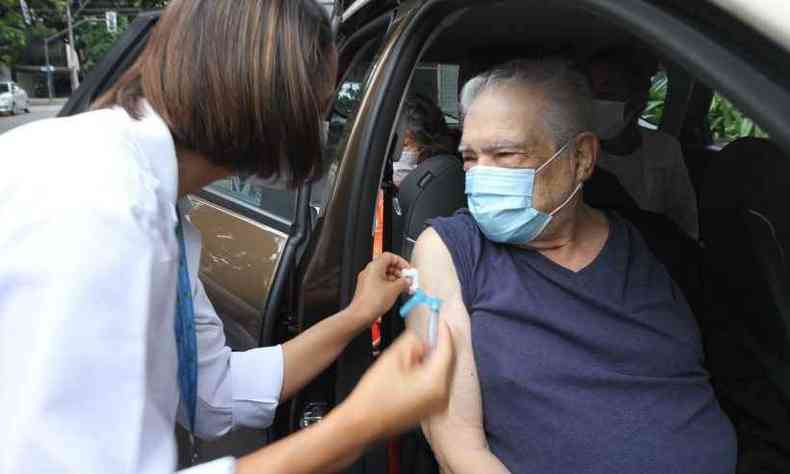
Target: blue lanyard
x=186 y=338
x=420 y=297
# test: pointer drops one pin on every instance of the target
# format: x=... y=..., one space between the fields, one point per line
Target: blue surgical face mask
x=502 y=202
x=404 y=166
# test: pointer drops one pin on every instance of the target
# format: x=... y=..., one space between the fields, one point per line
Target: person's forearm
x=325 y=447
x=472 y=461
x=306 y=355
x=460 y=450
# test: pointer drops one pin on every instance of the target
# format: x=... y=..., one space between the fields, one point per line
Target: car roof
x=770 y=17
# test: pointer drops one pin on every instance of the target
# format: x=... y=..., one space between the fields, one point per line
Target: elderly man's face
x=504 y=128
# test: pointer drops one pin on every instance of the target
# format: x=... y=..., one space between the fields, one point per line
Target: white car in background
x=13 y=99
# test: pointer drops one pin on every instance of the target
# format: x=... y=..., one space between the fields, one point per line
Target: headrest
x=748 y=174
x=434 y=189
x=746 y=189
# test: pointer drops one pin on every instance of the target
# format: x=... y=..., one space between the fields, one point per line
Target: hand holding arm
x=306 y=355
x=405 y=385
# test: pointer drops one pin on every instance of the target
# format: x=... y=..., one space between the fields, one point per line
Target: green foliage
x=49 y=16
x=727 y=123
x=94 y=41
x=13 y=38
x=654 y=111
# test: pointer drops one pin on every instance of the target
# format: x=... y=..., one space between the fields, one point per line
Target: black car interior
x=736 y=279
x=434 y=189
x=746 y=230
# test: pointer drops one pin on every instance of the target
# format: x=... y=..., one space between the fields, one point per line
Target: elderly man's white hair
x=566 y=90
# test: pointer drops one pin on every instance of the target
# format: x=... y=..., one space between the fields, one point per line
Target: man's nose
x=484 y=160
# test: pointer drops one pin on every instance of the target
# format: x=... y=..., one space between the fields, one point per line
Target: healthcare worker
x=106 y=334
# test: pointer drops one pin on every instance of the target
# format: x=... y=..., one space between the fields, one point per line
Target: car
x=276 y=262
x=13 y=99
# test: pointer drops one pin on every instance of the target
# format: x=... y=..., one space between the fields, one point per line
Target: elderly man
x=576 y=350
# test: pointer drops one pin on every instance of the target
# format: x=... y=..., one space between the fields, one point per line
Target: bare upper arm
x=463 y=421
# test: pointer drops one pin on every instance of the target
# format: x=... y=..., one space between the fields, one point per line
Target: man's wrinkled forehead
x=503 y=117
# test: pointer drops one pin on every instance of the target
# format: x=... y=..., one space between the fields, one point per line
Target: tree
x=93 y=41
x=13 y=37
x=47 y=16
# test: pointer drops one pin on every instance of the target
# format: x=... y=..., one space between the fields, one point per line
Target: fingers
x=409 y=349
x=390 y=260
x=441 y=362
x=401 y=285
x=386 y=266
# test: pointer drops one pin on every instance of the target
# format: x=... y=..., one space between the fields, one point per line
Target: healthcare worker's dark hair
x=242 y=82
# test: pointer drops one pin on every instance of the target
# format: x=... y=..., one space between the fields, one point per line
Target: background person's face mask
x=404 y=166
x=502 y=202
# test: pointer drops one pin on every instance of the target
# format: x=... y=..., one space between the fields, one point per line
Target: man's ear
x=587 y=150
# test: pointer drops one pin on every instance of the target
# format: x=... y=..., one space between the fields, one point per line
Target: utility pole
x=72 y=52
x=48 y=69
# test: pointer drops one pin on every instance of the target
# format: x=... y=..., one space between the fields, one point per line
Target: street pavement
x=37 y=112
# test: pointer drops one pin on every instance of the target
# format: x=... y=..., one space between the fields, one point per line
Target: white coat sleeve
x=234 y=388
x=77 y=290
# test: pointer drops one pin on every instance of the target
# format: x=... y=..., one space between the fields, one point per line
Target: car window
x=654 y=111
x=5 y=87
x=726 y=123
x=439 y=82
x=280 y=204
x=349 y=94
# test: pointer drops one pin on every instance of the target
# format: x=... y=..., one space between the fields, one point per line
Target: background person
x=648 y=163
x=427 y=135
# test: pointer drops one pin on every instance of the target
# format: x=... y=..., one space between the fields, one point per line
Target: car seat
x=745 y=228
x=434 y=189
x=679 y=253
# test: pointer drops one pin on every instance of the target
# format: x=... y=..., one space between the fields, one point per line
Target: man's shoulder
x=461 y=225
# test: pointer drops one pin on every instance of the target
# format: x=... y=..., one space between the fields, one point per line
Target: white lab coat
x=88 y=264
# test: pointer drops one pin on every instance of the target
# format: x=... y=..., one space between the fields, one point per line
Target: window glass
x=727 y=123
x=349 y=95
x=439 y=82
x=654 y=111
x=279 y=203
x=4 y=87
